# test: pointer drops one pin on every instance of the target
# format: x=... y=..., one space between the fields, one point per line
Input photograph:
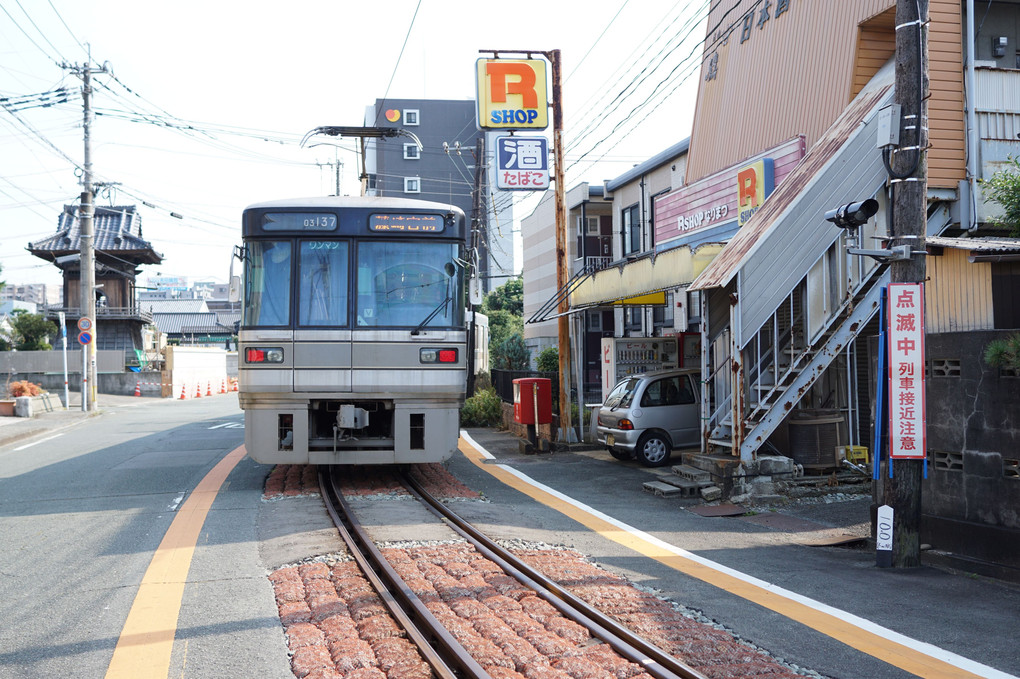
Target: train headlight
x=263 y=355
x=437 y=355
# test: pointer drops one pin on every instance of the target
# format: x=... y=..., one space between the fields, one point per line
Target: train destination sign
x=512 y=94
x=299 y=221
x=406 y=223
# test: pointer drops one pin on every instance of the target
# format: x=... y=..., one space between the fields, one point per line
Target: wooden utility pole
x=562 y=263
x=910 y=189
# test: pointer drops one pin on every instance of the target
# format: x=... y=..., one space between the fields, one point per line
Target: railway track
x=437 y=645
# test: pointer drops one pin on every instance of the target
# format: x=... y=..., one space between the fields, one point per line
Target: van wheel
x=619 y=454
x=653 y=450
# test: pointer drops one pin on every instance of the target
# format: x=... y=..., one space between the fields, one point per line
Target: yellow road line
x=147 y=639
x=918 y=658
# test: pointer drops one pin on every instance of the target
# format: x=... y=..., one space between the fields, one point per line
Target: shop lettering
x=698 y=219
x=508 y=116
x=500 y=86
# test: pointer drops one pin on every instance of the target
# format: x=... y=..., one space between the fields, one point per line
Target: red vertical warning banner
x=906 y=371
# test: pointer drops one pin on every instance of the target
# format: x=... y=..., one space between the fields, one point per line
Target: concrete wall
x=189 y=370
x=971 y=498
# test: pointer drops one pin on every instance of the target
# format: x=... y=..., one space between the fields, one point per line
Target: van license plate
x=610 y=439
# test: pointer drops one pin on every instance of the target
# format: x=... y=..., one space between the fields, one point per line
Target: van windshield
x=622 y=394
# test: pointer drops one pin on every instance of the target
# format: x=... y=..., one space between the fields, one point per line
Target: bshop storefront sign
x=906 y=371
x=728 y=197
x=512 y=94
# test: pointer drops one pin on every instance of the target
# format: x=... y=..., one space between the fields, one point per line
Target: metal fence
x=503 y=382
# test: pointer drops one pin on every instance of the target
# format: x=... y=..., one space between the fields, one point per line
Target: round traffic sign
x=84 y=323
x=84 y=337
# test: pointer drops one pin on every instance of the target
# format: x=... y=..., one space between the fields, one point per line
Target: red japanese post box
x=533 y=400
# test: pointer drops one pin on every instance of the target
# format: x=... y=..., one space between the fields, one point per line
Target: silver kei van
x=647 y=416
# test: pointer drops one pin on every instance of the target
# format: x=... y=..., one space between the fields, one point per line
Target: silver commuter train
x=353 y=344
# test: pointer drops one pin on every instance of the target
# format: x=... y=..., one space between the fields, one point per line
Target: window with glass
x=670 y=391
x=322 y=287
x=411 y=152
x=267 y=279
x=412 y=185
x=632 y=319
x=410 y=116
x=407 y=284
x=631 y=230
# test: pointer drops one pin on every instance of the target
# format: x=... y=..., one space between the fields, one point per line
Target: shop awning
x=639 y=281
x=645 y=279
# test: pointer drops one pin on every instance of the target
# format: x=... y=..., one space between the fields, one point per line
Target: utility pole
x=478 y=223
x=335 y=165
x=910 y=188
x=88 y=252
x=562 y=264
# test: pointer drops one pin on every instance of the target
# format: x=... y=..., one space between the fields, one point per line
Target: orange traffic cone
x=138 y=388
x=183 y=388
x=223 y=385
x=198 y=390
x=233 y=384
x=208 y=388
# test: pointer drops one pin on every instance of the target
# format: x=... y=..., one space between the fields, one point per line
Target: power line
x=396 y=65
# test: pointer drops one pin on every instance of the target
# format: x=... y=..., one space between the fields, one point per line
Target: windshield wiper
x=441 y=307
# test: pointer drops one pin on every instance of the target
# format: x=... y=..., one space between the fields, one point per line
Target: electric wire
x=386 y=93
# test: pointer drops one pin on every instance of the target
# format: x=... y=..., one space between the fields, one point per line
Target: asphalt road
x=81 y=515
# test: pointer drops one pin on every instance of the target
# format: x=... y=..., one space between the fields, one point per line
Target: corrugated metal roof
x=115 y=229
x=174 y=306
x=650 y=164
x=984 y=244
x=175 y=323
x=724 y=267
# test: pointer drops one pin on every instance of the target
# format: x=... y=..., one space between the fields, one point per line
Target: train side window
x=322 y=292
x=267 y=294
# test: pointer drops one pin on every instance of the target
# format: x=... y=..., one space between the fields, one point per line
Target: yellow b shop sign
x=512 y=94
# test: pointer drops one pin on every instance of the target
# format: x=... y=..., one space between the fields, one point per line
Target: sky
x=204 y=104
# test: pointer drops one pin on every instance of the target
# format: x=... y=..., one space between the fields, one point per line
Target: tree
x=31 y=331
x=549 y=360
x=1004 y=188
x=507 y=297
x=1004 y=353
x=511 y=354
x=505 y=308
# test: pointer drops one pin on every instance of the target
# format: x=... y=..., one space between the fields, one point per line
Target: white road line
x=35 y=443
x=176 y=503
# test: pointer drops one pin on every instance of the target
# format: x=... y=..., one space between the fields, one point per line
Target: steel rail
x=390 y=587
x=650 y=657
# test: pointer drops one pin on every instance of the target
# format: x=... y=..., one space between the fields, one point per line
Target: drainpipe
x=972 y=140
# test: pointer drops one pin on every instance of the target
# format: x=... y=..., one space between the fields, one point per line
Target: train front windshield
x=353 y=283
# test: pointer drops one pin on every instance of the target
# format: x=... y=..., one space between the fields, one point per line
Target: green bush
x=548 y=360
x=1004 y=353
x=484 y=409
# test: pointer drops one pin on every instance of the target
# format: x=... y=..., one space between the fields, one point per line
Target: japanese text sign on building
x=906 y=371
x=522 y=163
x=512 y=94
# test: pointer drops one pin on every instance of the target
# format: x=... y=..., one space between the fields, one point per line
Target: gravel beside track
x=336 y=627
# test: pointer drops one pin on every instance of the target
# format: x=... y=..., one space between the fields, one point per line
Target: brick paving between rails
x=336 y=627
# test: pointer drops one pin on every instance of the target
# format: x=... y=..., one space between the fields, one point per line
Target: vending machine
x=634 y=355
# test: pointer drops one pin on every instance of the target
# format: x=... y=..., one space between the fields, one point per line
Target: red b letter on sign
x=499 y=70
x=747 y=188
